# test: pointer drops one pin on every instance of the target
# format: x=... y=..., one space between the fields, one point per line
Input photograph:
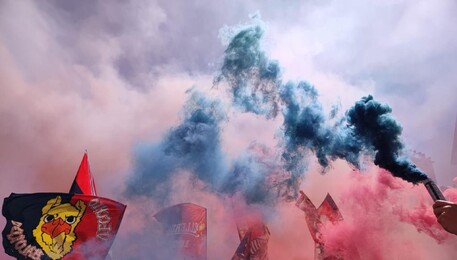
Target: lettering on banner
x=188 y=228
x=103 y=218
x=17 y=237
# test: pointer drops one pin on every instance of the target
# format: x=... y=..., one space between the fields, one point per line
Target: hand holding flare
x=446 y=214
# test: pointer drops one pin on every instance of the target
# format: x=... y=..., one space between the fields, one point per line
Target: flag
x=454 y=146
x=84 y=181
x=254 y=236
x=311 y=215
x=329 y=211
x=60 y=225
x=242 y=251
x=186 y=224
x=315 y=218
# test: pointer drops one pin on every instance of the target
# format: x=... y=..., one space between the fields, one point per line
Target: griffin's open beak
x=55 y=227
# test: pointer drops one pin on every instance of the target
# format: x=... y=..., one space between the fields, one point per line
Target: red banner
x=254 y=236
x=60 y=225
x=327 y=211
x=186 y=224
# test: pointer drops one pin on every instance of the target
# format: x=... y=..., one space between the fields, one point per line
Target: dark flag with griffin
x=185 y=225
x=60 y=225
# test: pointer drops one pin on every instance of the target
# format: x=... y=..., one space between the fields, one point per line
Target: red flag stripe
x=84 y=181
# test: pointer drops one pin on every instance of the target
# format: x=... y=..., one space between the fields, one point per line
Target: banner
x=60 y=225
x=254 y=236
x=186 y=224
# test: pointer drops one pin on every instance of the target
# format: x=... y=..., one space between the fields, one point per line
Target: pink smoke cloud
x=386 y=218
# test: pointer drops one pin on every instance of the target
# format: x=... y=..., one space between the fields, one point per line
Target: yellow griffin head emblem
x=55 y=232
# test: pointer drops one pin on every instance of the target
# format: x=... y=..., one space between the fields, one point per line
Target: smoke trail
x=259 y=177
x=251 y=75
x=372 y=123
x=194 y=145
x=256 y=86
x=306 y=128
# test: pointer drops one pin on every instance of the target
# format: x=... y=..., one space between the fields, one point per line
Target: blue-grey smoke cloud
x=253 y=78
x=194 y=145
x=259 y=176
x=256 y=87
x=372 y=123
x=306 y=128
x=250 y=74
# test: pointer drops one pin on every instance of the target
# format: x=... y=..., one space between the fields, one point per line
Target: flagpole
x=206 y=237
x=94 y=193
x=234 y=218
x=92 y=178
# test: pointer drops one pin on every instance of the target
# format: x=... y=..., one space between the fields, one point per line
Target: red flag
x=186 y=224
x=329 y=211
x=311 y=215
x=254 y=236
x=84 y=181
x=60 y=225
x=242 y=251
x=315 y=218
